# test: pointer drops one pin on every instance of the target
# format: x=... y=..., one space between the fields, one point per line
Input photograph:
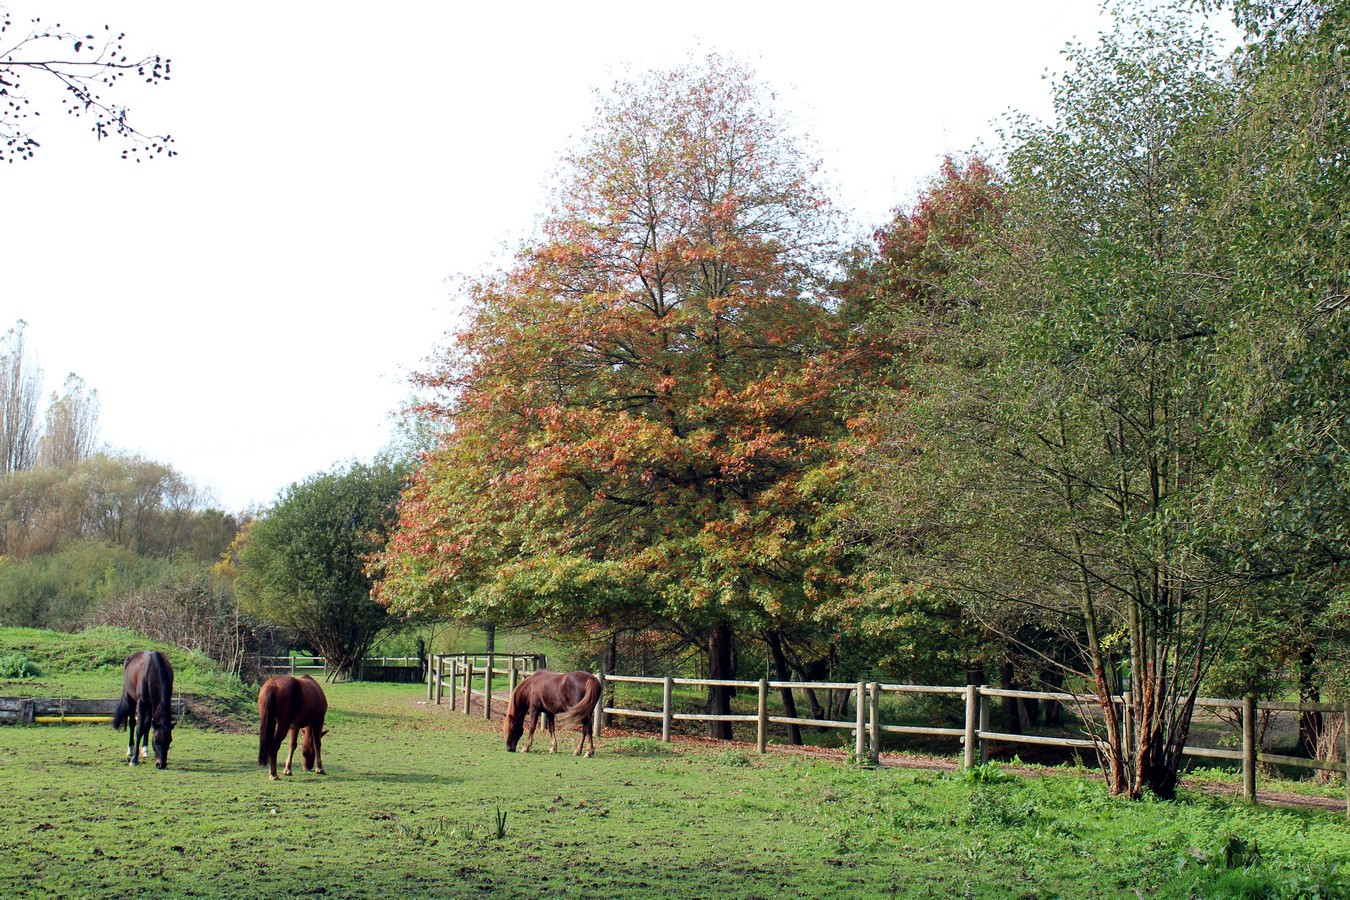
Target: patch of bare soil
x=204 y=711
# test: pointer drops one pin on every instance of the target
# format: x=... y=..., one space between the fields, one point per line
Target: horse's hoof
x=320 y=772
x=272 y=778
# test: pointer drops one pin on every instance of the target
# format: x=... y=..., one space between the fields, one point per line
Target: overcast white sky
x=249 y=311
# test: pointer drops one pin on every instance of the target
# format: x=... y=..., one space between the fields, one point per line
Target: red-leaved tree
x=643 y=412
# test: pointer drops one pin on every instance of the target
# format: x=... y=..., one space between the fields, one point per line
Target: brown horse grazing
x=147 y=700
x=571 y=697
x=287 y=704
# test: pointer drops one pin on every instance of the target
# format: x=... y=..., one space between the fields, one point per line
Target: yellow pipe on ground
x=56 y=720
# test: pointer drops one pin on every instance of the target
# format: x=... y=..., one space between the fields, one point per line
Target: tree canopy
x=643 y=409
x=303 y=564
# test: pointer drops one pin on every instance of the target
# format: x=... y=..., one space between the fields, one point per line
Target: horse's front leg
x=532 y=717
x=295 y=733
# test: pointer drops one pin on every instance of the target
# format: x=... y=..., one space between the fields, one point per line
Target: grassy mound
x=88 y=665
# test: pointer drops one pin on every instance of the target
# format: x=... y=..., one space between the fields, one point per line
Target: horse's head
x=310 y=749
x=513 y=726
x=163 y=737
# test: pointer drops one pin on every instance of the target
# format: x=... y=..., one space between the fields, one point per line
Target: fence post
x=512 y=679
x=762 y=723
x=454 y=681
x=292 y=659
x=667 y=712
x=876 y=722
x=439 y=662
x=431 y=677
x=860 y=724
x=984 y=725
x=972 y=713
x=468 y=684
x=600 y=712
x=487 y=687
x=1249 y=748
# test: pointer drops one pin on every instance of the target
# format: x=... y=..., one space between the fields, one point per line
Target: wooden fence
x=404 y=669
x=465 y=667
x=976 y=734
x=54 y=710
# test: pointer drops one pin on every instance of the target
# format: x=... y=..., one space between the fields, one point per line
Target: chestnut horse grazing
x=286 y=703
x=571 y=697
x=147 y=700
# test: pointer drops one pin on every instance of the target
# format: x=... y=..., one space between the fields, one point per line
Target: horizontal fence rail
x=976 y=734
x=56 y=710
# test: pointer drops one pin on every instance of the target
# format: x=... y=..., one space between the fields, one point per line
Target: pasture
x=415 y=795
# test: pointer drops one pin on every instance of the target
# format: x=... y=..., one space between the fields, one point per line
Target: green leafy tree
x=303 y=563
x=1285 y=189
x=1056 y=458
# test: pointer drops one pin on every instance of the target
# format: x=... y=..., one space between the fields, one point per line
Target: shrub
x=16 y=665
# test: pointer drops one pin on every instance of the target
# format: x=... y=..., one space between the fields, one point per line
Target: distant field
x=409 y=809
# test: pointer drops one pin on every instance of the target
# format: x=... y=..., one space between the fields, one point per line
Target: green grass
x=415 y=797
x=421 y=801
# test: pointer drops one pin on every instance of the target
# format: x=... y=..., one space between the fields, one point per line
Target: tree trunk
x=780 y=667
x=1012 y=722
x=721 y=665
x=1309 y=723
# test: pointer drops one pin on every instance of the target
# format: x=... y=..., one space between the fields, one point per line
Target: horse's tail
x=120 y=714
x=267 y=714
x=583 y=707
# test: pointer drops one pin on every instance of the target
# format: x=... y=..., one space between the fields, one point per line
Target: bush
x=16 y=665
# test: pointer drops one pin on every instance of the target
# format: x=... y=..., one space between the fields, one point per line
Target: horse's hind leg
x=295 y=733
x=131 y=735
x=146 y=714
x=586 y=732
x=318 y=749
x=548 y=720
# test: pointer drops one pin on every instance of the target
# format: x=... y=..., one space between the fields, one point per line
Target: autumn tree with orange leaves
x=644 y=411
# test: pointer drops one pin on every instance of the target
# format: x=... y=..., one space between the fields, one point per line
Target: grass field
x=415 y=795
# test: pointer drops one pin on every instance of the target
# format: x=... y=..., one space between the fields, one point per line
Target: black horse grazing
x=571 y=697
x=147 y=700
x=286 y=703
